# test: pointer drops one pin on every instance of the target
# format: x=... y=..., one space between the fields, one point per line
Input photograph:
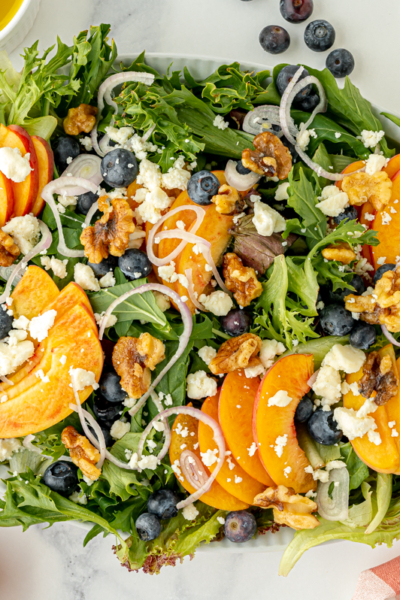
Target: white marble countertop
x=45 y=564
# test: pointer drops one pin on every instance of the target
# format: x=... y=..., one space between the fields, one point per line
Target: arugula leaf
x=304 y=285
x=322 y=158
x=303 y=196
x=392 y=118
x=340 y=162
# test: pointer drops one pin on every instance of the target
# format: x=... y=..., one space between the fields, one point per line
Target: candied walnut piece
x=8 y=250
x=240 y=280
x=110 y=234
x=237 y=353
x=82 y=453
x=80 y=119
x=270 y=157
x=288 y=507
x=133 y=358
x=378 y=376
x=227 y=201
x=368 y=380
x=361 y=187
x=340 y=252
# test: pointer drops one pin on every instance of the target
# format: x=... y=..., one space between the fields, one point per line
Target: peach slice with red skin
x=236 y=404
x=393 y=166
x=45 y=159
x=216 y=496
x=231 y=476
x=384 y=458
x=290 y=374
x=25 y=193
x=6 y=199
x=33 y=293
x=388 y=234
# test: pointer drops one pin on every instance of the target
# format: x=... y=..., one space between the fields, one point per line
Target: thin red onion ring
x=5 y=379
x=284 y=109
x=47 y=194
x=86 y=166
x=189 y=277
x=160 y=262
x=389 y=336
x=322 y=104
x=192 y=469
x=105 y=93
x=44 y=243
x=218 y=437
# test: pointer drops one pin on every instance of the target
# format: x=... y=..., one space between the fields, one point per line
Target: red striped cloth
x=379 y=583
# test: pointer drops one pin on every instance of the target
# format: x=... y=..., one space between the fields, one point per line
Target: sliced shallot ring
x=160 y=262
x=389 y=336
x=86 y=166
x=90 y=213
x=322 y=104
x=266 y=113
x=284 y=109
x=239 y=181
x=191 y=292
x=44 y=244
x=192 y=469
x=5 y=379
x=47 y=194
x=318 y=169
x=218 y=438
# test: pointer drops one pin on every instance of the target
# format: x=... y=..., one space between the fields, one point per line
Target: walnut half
x=340 y=252
x=240 y=280
x=378 y=376
x=82 y=453
x=80 y=119
x=8 y=250
x=227 y=201
x=237 y=353
x=270 y=157
x=362 y=187
x=288 y=507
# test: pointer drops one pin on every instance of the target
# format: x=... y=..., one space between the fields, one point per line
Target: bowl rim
x=16 y=19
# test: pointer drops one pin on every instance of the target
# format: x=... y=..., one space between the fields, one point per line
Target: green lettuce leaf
x=303 y=196
x=383 y=498
x=319 y=347
x=358 y=470
x=361 y=514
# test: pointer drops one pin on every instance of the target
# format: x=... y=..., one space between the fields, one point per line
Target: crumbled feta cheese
x=147 y=462
x=318 y=474
x=280 y=443
x=218 y=303
x=304 y=136
x=199 y=385
x=369 y=217
x=282 y=192
x=21 y=323
x=238 y=479
x=333 y=201
x=177 y=177
x=180 y=225
x=207 y=353
x=162 y=301
x=108 y=280
x=59 y=267
x=39 y=326
x=344 y=358
x=310 y=493
x=252 y=450
x=220 y=123
x=335 y=464
x=111 y=319
x=386 y=218
x=375 y=163
x=328 y=384
x=159 y=426
x=120 y=135
x=119 y=429
x=352 y=425
x=14 y=166
x=25 y=231
x=221 y=520
x=156 y=201
x=280 y=399
x=269 y=350
x=256 y=371
x=210 y=457
x=190 y=512
x=82 y=379
x=79 y=497
x=381 y=260
x=149 y=175
x=371 y=139
x=8 y=447
x=167 y=272
x=267 y=220
x=85 y=277
x=287 y=470
x=374 y=437
x=338 y=135
x=350 y=387
x=63 y=359
x=86 y=143
x=40 y=374
x=14 y=354
x=66 y=201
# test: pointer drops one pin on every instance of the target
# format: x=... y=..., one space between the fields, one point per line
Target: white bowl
x=18 y=28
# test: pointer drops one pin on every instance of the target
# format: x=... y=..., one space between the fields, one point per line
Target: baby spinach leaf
x=358 y=470
x=174 y=382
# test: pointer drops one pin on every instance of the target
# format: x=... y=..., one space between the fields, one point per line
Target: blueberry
x=148 y=527
x=61 y=477
x=285 y=77
x=5 y=323
x=363 y=335
x=274 y=39
x=304 y=410
x=63 y=149
x=340 y=62
x=323 y=427
x=236 y=322
x=202 y=186
x=349 y=213
x=110 y=387
x=308 y=103
x=105 y=266
x=336 y=320
x=241 y=169
x=85 y=202
x=338 y=296
x=105 y=410
x=119 y=168
x=163 y=504
x=383 y=269
x=240 y=526
x=296 y=11
x=135 y=264
x=105 y=427
x=319 y=35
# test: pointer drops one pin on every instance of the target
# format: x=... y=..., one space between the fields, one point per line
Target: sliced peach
x=355 y=166
x=69 y=296
x=216 y=497
x=34 y=292
x=393 y=166
x=231 y=475
x=45 y=404
x=25 y=193
x=384 y=458
x=46 y=168
x=236 y=404
x=290 y=374
x=389 y=234
x=6 y=199
x=3 y=133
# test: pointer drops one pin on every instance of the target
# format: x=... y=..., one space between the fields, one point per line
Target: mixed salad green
x=178 y=114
